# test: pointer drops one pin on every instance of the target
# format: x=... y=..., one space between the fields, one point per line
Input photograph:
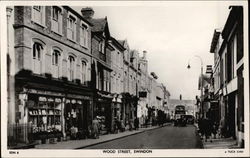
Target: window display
x=45 y=113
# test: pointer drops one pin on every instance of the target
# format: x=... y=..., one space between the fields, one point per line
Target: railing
x=19 y=133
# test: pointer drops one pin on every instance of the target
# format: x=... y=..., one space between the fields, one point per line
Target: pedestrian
x=208 y=125
x=73 y=132
x=214 y=129
x=136 y=122
x=95 y=127
x=122 y=126
x=200 y=126
x=131 y=126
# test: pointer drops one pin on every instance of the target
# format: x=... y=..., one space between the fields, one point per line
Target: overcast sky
x=172 y=33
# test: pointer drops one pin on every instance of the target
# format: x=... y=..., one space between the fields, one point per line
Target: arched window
x=37 y=58
x=56 y=63
x=71 y=68
x=84 y=72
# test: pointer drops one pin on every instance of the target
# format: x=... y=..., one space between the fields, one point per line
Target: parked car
x=189 y=119
x=180 y=120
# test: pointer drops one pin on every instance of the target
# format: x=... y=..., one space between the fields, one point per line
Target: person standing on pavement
x=95 y=126
x=208 y=125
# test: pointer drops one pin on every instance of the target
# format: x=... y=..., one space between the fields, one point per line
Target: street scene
x=126 y=77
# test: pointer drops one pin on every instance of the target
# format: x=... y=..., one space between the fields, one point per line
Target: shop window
x=38 y=14
x=75 y=115
x=57 y=19
x=37 y=50
x=44 y=113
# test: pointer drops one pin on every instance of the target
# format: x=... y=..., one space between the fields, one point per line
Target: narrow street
x=168 y=137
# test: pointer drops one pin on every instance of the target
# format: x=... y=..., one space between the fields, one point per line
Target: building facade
x=229 y=75
x=100 y=69
x=64 y=69
x=52 y=70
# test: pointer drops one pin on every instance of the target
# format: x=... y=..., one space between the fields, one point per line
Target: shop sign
x=79 y=97
x=44 y=92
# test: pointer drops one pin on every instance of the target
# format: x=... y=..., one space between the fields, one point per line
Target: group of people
x=207 y=128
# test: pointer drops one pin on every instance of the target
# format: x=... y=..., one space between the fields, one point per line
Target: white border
x=99 y=153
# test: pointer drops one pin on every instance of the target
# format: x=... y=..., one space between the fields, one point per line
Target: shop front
x=76 y=116
x=118 y=112
x=45 y=116
x=103 y=112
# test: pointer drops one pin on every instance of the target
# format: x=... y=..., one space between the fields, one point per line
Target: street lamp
x=188 y=67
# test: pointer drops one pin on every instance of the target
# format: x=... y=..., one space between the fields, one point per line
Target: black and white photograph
x=124 y=79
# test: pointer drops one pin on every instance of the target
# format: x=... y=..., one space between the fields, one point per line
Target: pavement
x=83 y=143
x=219 y=143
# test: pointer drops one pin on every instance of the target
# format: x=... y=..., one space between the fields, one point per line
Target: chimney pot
x=87 y=12
x=144 y=54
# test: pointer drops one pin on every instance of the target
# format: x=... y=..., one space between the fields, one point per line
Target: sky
x=172 y=33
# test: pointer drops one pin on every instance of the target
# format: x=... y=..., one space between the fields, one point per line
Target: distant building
x=189 y=105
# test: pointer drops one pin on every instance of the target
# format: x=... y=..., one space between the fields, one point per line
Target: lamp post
x=201 y=87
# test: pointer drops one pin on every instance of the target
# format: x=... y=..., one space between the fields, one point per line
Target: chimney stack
x=144 y=54
x=88 y=12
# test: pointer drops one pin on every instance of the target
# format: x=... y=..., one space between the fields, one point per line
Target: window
x=71 y=28
x=101 y=47
x=71 y=68
x=56 y=19
x=55 y=63
x=231 y=62
x=37 y=51
x=83 y=35
x=38 y=14
x=83 y=72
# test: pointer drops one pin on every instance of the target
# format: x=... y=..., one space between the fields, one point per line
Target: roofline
x=78 y=15
x=232 y=17
x=117 y=43
x=214 y=41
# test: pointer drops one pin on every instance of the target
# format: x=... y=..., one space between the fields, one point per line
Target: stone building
x=52 y=58
x=117 y=80
x=228 y=48
x=101 y=68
